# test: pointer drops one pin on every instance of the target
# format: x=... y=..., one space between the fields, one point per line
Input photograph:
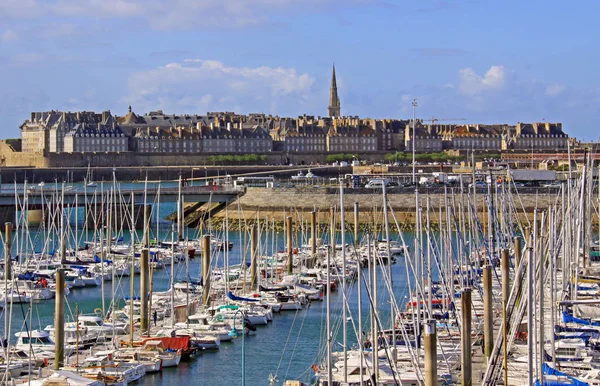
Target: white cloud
x=554 y=89
x=196 y=85
x=174 y=14
x=473 y=84
x=8 y=36
x=19 y=9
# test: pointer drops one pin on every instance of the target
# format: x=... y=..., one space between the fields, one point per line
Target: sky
x=464 y=61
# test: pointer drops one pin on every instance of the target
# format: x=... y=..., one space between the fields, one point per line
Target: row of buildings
x=228 y=132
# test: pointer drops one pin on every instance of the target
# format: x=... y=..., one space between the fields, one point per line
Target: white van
x=377 y=183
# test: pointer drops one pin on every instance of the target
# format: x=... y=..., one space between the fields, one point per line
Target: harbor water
x=287 y=348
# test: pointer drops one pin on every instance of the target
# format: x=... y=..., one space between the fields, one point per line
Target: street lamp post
x=234 y=333
x=414 y=178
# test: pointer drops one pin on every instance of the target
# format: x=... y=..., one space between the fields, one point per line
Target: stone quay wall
x=300 y=202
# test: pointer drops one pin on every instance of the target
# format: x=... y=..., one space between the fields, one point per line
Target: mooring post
x=466 y=365
x=144 y=291
x=147 y=210
x=518 y=251
x=430 y=338
x=59 y=320
x=488 y=312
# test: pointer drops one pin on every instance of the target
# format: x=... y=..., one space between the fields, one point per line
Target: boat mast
x=226 y=250
x=173 y=275
x=374 y=327
x=328 y=300
x=344 y=316
x=102 y=249
x=359 y=282
x=389 y=267
x=429 y=275
x=132 y=273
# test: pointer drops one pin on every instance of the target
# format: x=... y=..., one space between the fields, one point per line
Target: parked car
x=552 y=184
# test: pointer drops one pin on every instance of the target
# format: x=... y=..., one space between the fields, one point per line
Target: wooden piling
x=144 y=291
x=465 y=351
x=59 y=320
x=488 y=312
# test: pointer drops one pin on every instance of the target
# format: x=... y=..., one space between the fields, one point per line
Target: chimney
x=229 y=126
x=212 y=127
x=32 y=117
x=199 y=127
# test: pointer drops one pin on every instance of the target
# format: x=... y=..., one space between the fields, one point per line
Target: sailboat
x=89 y=179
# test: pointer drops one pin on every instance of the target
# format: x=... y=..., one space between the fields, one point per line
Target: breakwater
x=279 y=202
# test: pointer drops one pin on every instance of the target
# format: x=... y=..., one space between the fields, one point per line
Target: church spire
x=334 y=109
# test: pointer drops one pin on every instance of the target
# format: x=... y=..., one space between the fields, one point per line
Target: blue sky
x=484 y=61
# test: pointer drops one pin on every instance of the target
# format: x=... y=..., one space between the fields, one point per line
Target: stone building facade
x=426 y=138
x=228 y=132
x=86 y=138
x=539 y=135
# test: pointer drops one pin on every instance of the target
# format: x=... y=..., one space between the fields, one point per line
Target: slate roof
x=95 y=130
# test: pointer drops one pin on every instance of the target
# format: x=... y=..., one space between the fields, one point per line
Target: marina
x=330 y=300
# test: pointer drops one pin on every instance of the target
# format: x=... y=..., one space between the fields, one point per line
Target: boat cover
x=178 y=343
x=231 y=296
x=567 y=318
x=551 y=371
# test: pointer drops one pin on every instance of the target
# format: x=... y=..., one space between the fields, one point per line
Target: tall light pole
x=414 y=178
